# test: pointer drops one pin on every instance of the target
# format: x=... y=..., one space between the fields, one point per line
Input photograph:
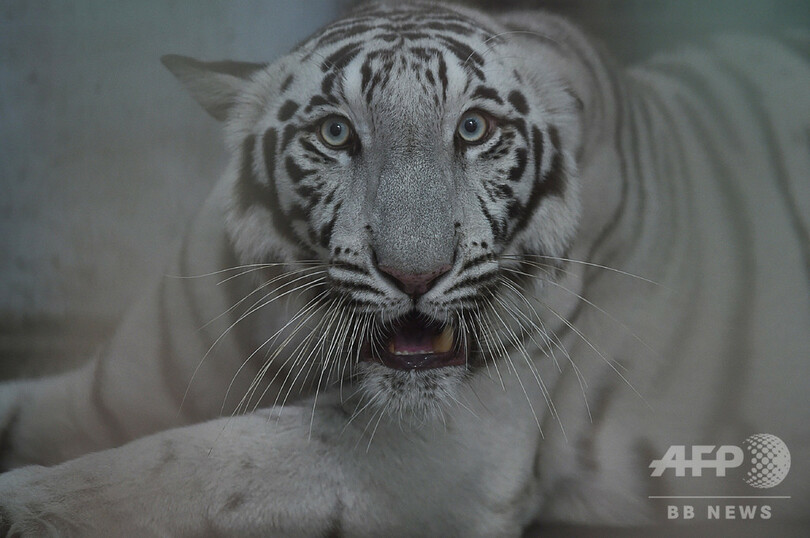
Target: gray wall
x=103 y=157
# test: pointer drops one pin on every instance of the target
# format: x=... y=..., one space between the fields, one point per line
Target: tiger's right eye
x=474 y=127
x=336 y=132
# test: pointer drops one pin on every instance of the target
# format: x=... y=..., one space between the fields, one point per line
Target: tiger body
x=636 y=239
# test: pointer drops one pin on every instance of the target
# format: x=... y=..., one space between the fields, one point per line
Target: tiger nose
x=414 y=284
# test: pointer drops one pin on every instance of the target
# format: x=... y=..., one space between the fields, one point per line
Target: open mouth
x=414 y=342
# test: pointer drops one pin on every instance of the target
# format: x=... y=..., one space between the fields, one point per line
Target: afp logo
x=768 y=458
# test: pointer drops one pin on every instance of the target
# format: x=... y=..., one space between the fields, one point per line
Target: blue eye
x=336 y=132
x=473 y=127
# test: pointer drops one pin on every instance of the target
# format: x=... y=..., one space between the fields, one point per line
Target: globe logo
x=770 y=460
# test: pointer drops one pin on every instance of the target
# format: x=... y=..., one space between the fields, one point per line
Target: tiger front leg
x=284 y=472
x=246 y=476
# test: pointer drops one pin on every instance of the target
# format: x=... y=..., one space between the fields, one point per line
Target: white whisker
x=517 y=372
x=605 y=359
x=522 y=257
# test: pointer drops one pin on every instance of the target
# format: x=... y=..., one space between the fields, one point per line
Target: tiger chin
x=457 y=240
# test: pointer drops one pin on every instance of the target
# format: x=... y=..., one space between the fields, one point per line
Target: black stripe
x=281 y=222
x=354 y=302
x=483 y=92
x=631 y=178
x=287 y=110
x=343 y=31
x=595 y=62
x=375 y=80
x=645 y=450
x=586 y=446
x=412 y=36
x=339 y=59
x=248 y=189
x=665 y=159
x=799 y=44
x=739 y=327
x=463 y=52
x=518 y=124
x=517 y=100
x=485 y=278
x=777 y=159
x=326 y=229
x=431 y=79
x=697 y=81
x=309 y=147
x=591 y=275
x=310 y=195
x=328 y=83
x=340 y=284
x=498 y=229
x=290 y=130
x=474 y=262
x=686 y=321
x=242 y=331
x=501 y=191
x=295 y=172
x=171 y=369
x=113 y=425
x=318 y=100
x=170 y=374
x=550 y=184
x=516 y=172
x=7 y=437
x=500 y=148
x=443 y=78
x=423 y=53
x=350 y=267
x=286 y=83
x=189 y=292
x=365 y=72
x=454 y=27
x=330 y=196
x=235 y=291
x=637 y=182
x=390 y=38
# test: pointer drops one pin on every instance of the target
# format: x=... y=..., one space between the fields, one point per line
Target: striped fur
x=629 y=268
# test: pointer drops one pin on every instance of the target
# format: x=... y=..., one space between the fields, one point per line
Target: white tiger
x=476 y=276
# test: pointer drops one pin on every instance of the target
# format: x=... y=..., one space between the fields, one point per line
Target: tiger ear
x=215 y=85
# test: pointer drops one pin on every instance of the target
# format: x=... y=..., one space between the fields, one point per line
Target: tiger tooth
x=444 y=342
x=391 y=348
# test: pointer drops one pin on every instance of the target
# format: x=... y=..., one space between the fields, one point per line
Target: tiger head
x=420 y=155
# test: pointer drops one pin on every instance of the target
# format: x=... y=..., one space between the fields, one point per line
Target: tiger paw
x=30 y=507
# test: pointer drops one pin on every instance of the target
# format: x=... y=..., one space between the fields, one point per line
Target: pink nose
x=414 y=284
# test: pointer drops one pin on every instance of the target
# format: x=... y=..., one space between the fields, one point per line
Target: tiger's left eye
x=473 y=128
x=336 y=132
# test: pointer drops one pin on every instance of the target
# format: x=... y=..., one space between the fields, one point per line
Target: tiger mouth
x=414 y=342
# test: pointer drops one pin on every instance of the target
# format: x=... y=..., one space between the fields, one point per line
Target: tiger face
x=414 y=154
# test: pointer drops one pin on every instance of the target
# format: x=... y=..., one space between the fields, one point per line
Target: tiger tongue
x=412 y=339
x=408 y=341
